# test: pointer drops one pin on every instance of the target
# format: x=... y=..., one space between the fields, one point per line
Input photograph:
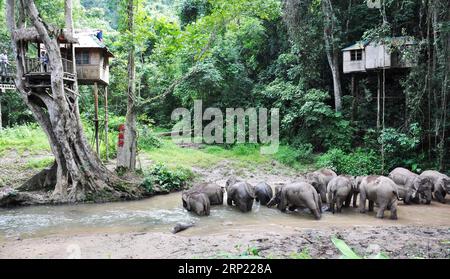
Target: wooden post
x=106 y=123
x=96 y=118
x=353 y=91
x=1 y=123
x=378 y=101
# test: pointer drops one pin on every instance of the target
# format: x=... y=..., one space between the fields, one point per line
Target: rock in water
x=181 y=227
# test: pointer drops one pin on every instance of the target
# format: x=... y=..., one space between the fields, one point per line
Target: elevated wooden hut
x=92 y=59
x=373 y=56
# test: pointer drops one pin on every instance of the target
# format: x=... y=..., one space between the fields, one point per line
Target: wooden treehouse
x=92 y=59
x=364 y=57
x=383 y=60
x=90 y=66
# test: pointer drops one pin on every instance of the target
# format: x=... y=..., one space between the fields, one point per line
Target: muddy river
x=161 y=213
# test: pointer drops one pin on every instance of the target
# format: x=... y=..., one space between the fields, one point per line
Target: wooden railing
x=34 y=65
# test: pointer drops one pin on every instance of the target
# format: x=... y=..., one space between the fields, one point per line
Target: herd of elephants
x=324 y=186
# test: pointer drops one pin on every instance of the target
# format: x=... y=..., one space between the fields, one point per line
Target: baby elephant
x=196 y=202
x=263 y=193
x=380 y=190
x=297 y=195
x=411 y=186
x=339 y=191
x=441 y=184
x=241 y=194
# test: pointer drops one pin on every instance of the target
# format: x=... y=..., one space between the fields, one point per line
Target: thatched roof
x=31 y=35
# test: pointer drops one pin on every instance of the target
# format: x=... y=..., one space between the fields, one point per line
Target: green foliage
x=167 y=179
x=359 y=162
x=147 y=139
x=28 y=137
x=40 y=163
x=349 y=254
x=292 y=156
x=303 y=255
x=401 y=148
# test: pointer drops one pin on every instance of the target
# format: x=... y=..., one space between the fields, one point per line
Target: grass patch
x=40 y=163
x=23 y=138
x=240 y=155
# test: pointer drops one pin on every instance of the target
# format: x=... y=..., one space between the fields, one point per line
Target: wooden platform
x=42 y=79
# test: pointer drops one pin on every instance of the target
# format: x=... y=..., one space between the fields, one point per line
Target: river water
x=161 y=213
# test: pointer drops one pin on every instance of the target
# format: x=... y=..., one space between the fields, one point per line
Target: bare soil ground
x=395 y=241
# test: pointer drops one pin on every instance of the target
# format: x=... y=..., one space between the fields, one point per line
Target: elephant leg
x=427 y=197
x=393 y=209
x=242 y=207
x=382 y=208
x=407 y=199
x=338 y=205
x=229 y=201
x=362 y=202
x=316 y=213
x=323 y=196
x=347 y=201
x=439 y=197
x=355 y=197
x=330 y=202
x=249 y=205
x=371 y=204
x=314 y=209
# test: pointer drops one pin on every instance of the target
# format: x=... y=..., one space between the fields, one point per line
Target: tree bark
x=80 y=175
x=332 y=51
x=126 y=157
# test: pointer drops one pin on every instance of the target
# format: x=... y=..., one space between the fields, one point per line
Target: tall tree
x=332 y=50
x=77 y=173
x=126 y=157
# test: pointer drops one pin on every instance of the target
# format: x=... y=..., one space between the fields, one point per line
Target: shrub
x=401 y=148
x=359 y=162
x=147 y=139
x=291 y=156
x=167 y=179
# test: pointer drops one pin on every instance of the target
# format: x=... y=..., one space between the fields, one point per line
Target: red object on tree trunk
x=121 y=135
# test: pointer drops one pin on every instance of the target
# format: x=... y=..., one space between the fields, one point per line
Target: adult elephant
x=412 y=188
x=378 y=190
x=441 y=184
x=263 y=193
x=240 y=193
x=319 y=180
x=212 y=190
x=297 y=195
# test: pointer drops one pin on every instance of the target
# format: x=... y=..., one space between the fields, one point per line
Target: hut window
x=83 y=58
x=356 y=55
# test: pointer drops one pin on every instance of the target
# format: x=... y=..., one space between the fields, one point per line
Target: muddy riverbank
x=394 y=241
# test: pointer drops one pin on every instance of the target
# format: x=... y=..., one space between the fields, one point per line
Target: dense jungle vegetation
x=273 y=54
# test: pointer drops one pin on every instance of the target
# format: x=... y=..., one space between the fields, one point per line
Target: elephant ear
x=187 y=200
x=446 y=185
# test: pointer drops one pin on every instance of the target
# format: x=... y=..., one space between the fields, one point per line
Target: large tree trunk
x=126 y=156
x=332 y=51
x=80 y=175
